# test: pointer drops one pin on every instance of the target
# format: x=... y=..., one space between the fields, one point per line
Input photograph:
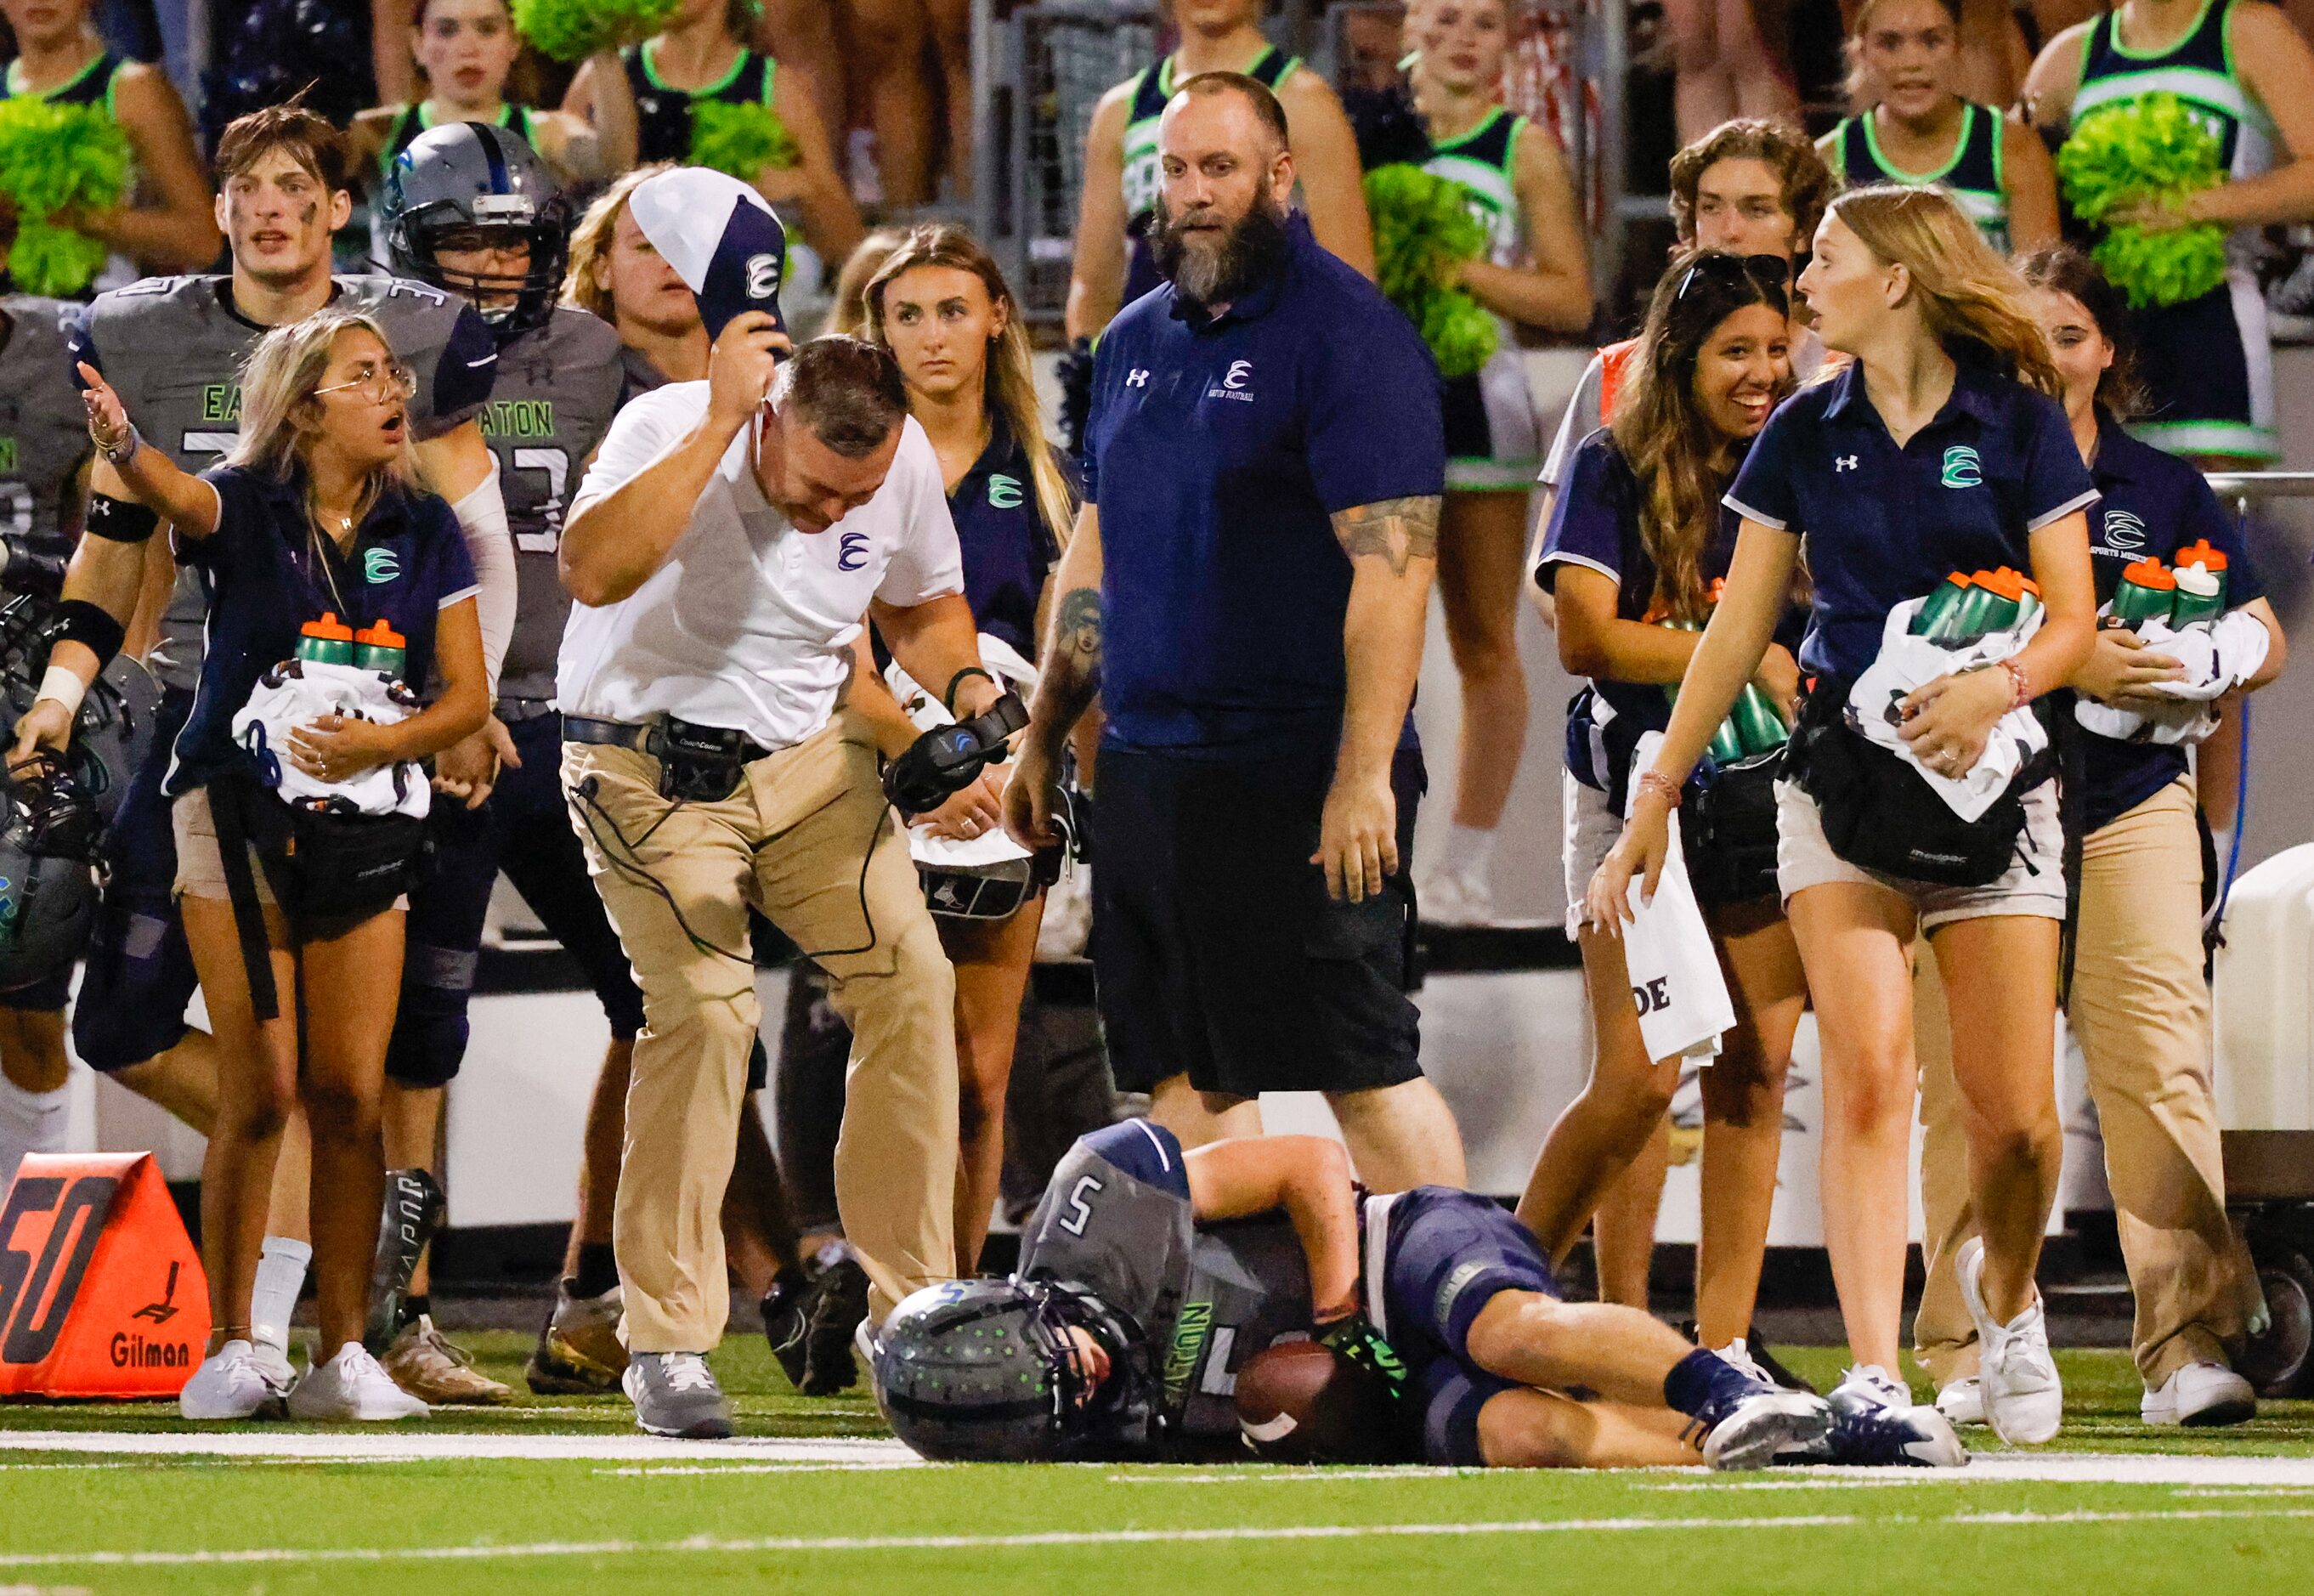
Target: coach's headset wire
x=631 y=869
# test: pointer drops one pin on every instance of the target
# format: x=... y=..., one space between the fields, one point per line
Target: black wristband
x=90 y=626
x=956 y=680
x=120 y=520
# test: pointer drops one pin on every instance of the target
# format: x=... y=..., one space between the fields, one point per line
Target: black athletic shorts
x=1215 y=947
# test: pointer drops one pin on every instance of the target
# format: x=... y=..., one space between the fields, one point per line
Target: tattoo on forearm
x=1398 y=530
x=1071 y=669
x=1076 y=629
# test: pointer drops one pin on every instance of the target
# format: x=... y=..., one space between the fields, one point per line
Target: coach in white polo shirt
x=721 y=550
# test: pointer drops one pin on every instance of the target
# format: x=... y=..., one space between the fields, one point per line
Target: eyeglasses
x=1768 y=273
x=379 y=387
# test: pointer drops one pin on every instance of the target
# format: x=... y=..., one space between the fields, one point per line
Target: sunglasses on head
x=1764 y=272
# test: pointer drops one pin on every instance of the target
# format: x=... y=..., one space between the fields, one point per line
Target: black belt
x=652 y=737
x=610 y=734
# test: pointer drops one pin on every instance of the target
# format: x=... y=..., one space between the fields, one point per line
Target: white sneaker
x=1867 y=1387
x=273 y=1365
x=1738 y=1355
x=352 y=1388
x=2200 y=1395
x=1962 y=1401
x=228 y=1384
x=2024 y=1400
x=1456 y=901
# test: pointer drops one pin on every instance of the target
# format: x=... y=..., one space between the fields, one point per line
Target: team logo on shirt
x=852 y=550
x=2124 y=530
x=1003 y=491
x=380 y=565
x=1962 y=469
x=1232 y=384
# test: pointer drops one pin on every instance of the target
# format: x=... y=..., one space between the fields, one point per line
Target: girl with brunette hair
x=313 y=511
x=2138 y=1003
x=1939 y=447
x=940 y=304
x=1914 y=126
x=1636 y=538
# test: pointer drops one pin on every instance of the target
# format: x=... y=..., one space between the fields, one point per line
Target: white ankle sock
x=273 y=1302
x=1467 y=852
x=29 y=1122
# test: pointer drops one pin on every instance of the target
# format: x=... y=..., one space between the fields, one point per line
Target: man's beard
x=1208 y=273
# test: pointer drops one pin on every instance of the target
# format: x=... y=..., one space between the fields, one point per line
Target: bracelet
x=1657 y=781
x=947 y=699
x=62 y=684
x=124 y=450
x=2021 y=691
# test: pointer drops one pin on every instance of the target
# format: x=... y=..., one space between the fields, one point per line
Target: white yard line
x=729 y=1545
x=377 y=1443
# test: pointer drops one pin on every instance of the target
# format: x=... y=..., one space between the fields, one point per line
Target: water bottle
x=1757 y=724
x=1726 y=742
x=326 y=641
x=1938 y=607
x=2201 y=597
x=2029 y=604
x=2003 y=603
x=1965 y=621
x=2147 y=592
x=380 y=648
x=2212 y=561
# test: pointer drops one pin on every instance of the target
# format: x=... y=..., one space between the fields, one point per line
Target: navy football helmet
x=465 y=183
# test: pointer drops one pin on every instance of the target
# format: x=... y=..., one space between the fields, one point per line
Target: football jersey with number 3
x=172 y=348
x=557 y=390
x=43 y=425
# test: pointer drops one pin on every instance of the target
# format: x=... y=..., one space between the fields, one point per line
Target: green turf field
x=2128 y=1514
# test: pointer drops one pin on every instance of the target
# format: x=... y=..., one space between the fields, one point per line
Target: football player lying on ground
x=1150 y=1277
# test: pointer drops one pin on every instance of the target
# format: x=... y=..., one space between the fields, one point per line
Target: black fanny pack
x=1727 y=829
x=1880 y=814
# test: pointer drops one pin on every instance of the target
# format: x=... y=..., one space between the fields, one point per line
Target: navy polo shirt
x=1008 y=550
x=1884 y=523
x=1218 y=449
x=409 y=563
x=2151 y=506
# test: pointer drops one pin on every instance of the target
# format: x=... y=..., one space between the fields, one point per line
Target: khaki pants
x=792 y=842
x=2141 y=1011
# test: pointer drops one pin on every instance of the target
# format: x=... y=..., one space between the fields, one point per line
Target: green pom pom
x=2152 y=147
x=1423 y=229
x=55 y=157
x=574 y=30
x=742 y=140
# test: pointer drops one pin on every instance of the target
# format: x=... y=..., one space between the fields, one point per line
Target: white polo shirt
x=749 y=623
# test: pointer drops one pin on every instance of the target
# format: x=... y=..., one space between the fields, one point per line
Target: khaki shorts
x=200 y=862
x=1588 y=830
x=2034 y=884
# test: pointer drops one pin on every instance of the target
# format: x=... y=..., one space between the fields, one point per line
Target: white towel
x=2217 y=658
x=1906 y=663
x=299 y=692
x=1667 y=953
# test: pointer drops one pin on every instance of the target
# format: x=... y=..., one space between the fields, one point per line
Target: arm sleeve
x=463 y=376
x=1763 y=489
x=1586 y=518
x=1373 y=429
x=927 y=563
x=2056 y=482
x=489 y=549
x=1580 y=421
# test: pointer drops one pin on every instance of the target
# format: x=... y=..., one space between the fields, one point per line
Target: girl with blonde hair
x=1939 y=447
x=314 y=512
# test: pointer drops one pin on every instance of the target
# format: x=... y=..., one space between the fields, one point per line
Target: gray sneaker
x=676 y=1394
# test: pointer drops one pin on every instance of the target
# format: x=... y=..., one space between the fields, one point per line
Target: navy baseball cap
x=721 y=239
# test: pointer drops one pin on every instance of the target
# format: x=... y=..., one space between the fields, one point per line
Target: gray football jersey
x=172 y=348
x=43 y=427
x=557 y=390
x=1116 y=1219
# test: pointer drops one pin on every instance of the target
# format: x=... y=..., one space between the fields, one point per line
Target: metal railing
x=2244 y=488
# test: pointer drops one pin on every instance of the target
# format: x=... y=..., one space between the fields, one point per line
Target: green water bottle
x=1726 y=742
x=379 y=647
x=1964 y=621
x=1937 y=606
x=1757 y=724
x=2212 y=561
x=2029 y=604
x=2201 y=597
x=2003 y=601
x=2148 y=592
x=326 y=641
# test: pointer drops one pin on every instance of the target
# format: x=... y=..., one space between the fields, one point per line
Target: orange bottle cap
x=2005 y=582
x=2202 y=555
x=2151 y=573
x=329 y=626
x=1717 y=591
x=381 y=636
x=2030 y=586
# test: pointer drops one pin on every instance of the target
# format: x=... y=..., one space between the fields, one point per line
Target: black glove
x=1357 y=1343
x=1074 y=375
x=945 y=760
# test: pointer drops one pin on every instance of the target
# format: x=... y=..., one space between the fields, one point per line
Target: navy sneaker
x=1886 y=1437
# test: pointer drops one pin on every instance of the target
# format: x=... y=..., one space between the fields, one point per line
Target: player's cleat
x=578 y=1352
x=676 y=1394
x=1962 y=1400
x=1868 y=1387
x=2202 y=1396
x=1759 y=1429
x=433 y=1369
x=228 y=1384
x=786 y=1308
x=1886 y=1437
x=838 y=1307
x=352 y=1388
x=2024 y=1400
x=273 y=1366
